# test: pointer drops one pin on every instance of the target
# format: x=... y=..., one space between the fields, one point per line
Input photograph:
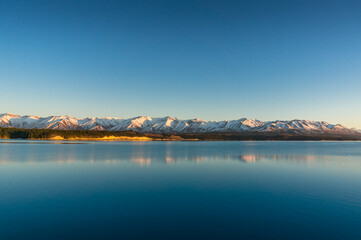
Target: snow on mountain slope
x=165 y=125
x=357 y=130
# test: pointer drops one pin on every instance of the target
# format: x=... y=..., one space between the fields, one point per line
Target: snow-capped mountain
x=166 y=124
x=357 y=130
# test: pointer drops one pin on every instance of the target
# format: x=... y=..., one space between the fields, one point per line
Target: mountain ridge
x=171 y=125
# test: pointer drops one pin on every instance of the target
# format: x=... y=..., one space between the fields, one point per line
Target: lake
x=180 y=190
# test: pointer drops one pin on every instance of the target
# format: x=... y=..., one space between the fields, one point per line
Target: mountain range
x=145 y=124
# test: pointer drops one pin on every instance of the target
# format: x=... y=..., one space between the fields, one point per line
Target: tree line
x=17 y=133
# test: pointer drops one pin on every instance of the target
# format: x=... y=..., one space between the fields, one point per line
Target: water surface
x=180 y=190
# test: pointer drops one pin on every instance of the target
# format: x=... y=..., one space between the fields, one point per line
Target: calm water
x=180 y=190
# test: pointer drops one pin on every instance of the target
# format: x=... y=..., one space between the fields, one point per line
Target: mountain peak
x=8 y=114
x=168 y=124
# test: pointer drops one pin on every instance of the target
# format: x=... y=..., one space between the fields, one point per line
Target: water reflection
x=303 y=159
x=147 y=154
x=141 y=161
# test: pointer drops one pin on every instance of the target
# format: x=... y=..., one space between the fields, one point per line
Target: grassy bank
x=90 y=135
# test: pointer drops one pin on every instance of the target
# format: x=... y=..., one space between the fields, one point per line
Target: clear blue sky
x=209 y=59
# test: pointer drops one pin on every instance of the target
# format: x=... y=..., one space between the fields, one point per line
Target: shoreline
x=140 y=139
x=112 y=136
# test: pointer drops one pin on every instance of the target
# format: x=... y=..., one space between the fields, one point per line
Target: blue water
x=180 y=190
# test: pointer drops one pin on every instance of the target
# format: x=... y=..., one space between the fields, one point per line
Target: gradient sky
x=214 y=60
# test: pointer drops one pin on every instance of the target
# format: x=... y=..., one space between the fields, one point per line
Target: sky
x=215 y=60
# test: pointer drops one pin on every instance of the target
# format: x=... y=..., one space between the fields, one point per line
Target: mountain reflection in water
x=146 y=154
